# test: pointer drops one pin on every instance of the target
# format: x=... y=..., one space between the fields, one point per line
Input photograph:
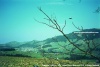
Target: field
x=7 y=61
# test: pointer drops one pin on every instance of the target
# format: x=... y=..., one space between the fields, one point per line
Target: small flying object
x=63 y=0
x=70 y=18
x=79 y=1
x=97 y=10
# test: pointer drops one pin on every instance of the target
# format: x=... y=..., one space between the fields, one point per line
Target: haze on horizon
x=17 y=18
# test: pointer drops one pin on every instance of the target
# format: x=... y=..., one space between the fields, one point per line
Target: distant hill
x=33 y=44
x=90 y=36
x=59 y=38
x=14 y=44
x=59 y=44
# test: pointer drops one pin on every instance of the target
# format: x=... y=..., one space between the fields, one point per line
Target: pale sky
x=17 y=18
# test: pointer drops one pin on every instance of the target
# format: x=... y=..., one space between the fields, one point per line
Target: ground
x=6 y=61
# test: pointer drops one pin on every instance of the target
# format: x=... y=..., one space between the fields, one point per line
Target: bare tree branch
x=57 y=27
x=45 y=24
x=64 y=26
x=77 y=27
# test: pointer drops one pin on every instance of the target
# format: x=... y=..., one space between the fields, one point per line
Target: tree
x=54 y=24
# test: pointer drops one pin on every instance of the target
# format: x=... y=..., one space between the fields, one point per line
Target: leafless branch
x=45 y=24
x=77 y=27
x=57 y=27
x=64 y=26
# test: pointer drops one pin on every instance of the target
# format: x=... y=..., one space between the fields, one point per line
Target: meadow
x=7 y=61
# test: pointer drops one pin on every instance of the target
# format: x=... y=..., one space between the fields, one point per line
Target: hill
x=59 y=44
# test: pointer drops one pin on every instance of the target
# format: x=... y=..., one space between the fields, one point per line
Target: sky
x=17 y=18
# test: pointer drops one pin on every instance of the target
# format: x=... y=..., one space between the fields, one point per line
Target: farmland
x=7 y=61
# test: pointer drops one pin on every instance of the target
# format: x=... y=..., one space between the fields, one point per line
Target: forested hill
x=60 y=38
x=90 y=35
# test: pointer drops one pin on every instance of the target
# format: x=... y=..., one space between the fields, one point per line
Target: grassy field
x=7 y=61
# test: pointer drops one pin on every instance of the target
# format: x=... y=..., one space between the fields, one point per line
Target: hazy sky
x=17 y=18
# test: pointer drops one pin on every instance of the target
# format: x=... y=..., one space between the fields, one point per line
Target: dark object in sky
x=79 y=1
x=97 y=10
x=70 y=18
x=63 y=0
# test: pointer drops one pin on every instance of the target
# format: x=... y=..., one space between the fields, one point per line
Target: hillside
x=59 y=44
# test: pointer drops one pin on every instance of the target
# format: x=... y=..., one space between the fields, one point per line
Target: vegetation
x=74 y=49
x=6 y=61
x=21 y=54
x=89 y=46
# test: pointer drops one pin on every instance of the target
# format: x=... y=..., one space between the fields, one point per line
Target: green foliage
x=20 y=54
x=6 y=61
